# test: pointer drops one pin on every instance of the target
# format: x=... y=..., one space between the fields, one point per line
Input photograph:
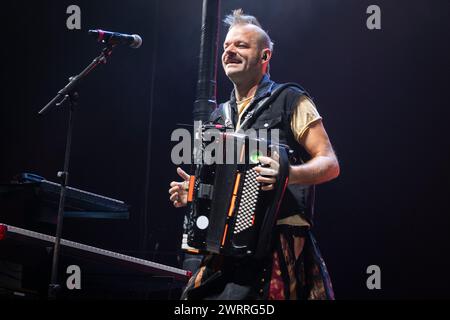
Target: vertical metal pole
x=54 y=287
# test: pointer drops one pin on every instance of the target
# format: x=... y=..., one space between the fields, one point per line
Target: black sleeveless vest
x=272 y=109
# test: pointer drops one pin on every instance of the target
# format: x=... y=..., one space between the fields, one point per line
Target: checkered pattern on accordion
x=248 y=201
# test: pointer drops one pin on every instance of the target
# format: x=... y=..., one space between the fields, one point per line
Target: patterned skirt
x=294 y=270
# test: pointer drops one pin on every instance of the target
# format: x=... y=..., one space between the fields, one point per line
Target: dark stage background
x=383 y=95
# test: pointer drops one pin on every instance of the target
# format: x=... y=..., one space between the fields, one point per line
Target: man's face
x=242 y=54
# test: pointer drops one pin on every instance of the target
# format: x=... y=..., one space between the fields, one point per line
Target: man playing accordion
x=293 y=267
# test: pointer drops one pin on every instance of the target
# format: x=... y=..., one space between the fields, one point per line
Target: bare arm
x=323 y=165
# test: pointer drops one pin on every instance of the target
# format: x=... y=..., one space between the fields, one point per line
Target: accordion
x=229 y=213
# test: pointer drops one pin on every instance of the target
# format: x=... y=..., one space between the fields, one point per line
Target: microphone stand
x=67 y=95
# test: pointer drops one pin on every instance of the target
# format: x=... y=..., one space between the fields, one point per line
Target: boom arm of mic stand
x=76 y=80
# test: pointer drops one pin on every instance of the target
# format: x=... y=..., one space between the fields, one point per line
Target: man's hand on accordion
x=179 y=190
x=268 y=171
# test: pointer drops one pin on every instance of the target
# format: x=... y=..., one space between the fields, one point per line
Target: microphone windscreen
x=137 y=41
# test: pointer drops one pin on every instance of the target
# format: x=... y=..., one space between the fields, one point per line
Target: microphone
x=113 y=38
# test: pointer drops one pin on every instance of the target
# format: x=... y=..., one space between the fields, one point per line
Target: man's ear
x=267 y=54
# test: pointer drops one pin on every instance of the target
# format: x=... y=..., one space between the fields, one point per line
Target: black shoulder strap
x=263 y=246
x=225 y=108
x=265 y=102
x=294 y=85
